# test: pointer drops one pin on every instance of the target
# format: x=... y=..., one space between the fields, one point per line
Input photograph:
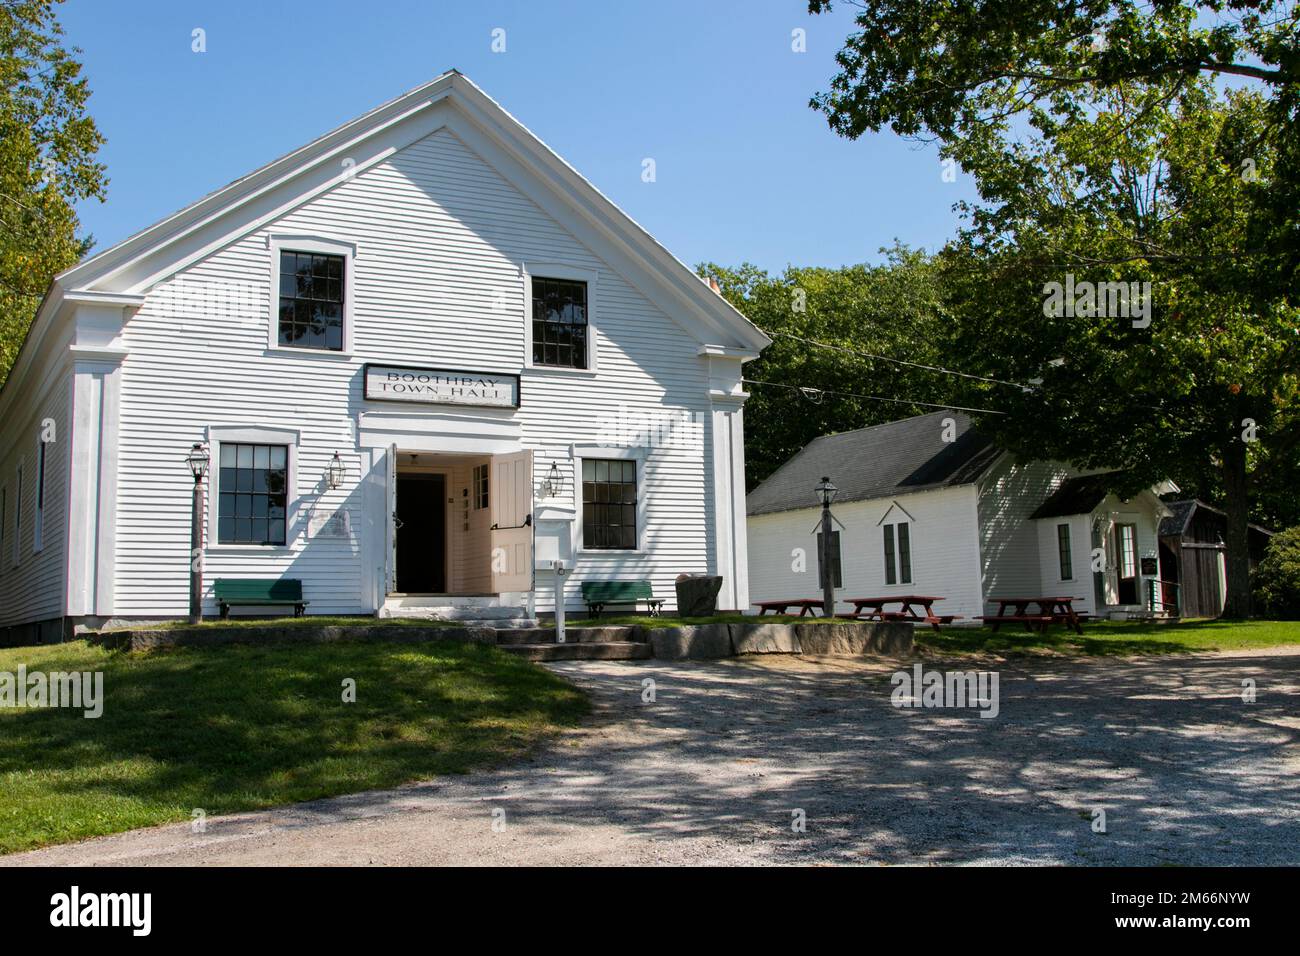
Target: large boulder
x=700 y=643
x=697 y=595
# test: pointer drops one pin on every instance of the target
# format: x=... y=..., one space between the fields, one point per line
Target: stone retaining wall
x=689 y=642
x=841 y=639
x=152 y=638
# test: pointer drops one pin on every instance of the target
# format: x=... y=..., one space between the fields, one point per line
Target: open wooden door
x=511 y=498
x=390 y=524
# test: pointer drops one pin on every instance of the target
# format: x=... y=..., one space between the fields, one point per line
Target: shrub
x=1277 y=579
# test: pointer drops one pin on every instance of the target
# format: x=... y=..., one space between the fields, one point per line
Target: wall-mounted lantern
x=551 y=486
x=336 y=472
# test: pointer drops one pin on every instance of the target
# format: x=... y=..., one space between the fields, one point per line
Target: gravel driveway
x=713 y=770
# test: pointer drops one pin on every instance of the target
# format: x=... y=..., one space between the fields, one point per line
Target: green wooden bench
x=597 y=594
x=232 y=592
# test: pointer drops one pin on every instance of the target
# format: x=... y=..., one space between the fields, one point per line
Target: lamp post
x=197 y=459
x=827 y=493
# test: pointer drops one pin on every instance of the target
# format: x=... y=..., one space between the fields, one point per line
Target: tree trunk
x=1238 y=545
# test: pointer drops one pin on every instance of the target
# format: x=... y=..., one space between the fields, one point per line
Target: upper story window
x=609 y=504
x=253 y=488
x=311 y=300
x=560 y=323
x=898 y=553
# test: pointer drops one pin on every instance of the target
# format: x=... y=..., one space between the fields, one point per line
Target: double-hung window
x=898 y=553
x=609 y=504
x=38 y=521
x=253 y=489
x=312 y=295
x=1063 y=552
x=18 y=514
x=560 y=328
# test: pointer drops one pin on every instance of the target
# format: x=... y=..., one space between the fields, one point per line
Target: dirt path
x=713 y=770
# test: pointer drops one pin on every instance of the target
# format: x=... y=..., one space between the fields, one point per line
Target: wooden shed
x=1193 y=555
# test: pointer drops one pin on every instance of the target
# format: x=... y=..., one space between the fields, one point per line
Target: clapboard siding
x=1009 y=545
x=440 y=238
x=944 y=548
x=31 y=588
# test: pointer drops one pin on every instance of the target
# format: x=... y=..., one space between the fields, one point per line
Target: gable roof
x=134 y=265
x=1180 y=519
x=892 y=459
x=1076 y=496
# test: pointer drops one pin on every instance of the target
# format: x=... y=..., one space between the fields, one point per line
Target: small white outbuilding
x=928 y=506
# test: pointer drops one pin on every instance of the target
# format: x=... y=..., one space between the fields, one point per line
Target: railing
x=1163 y=597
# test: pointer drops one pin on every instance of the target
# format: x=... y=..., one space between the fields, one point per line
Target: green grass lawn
x=644 y=620
x=237 y=728
x=1116 y=638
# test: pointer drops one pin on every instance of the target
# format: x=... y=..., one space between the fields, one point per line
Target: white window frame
x=481 y=472
x=18 y=512
x=320 y=245
x=623 y=454
x=251 y=435
x=567 y=273
x=1069 y=549
x=895 y=552
x=42 y=460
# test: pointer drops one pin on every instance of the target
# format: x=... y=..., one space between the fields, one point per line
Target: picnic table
x=806 y=605
x=1051 y=610
x=873 y=609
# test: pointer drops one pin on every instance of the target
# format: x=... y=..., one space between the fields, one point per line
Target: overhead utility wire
x=886 y=358
x=809 y=391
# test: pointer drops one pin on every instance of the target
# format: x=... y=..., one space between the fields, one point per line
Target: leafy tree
x=47 y=163
x=894 y=309
x=1277 y=579
x=1104 y=152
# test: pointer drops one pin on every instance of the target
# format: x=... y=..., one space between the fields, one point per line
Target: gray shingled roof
x=1077 y=496
x=878 y=462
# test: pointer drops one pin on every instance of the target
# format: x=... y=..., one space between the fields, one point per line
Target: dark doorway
x=421 y=534
x=1126 y=546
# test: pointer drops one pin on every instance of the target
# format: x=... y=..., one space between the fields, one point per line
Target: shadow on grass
x=238 y=728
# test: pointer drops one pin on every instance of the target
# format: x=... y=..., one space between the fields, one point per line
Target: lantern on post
x=826 y=492
x=197 y=460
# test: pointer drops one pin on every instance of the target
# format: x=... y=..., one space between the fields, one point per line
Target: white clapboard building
x=427 y=360
x=929 y=506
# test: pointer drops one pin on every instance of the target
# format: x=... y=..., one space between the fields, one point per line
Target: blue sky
x=710 y=90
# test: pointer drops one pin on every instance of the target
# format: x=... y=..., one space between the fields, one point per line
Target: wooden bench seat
x=259 y=592
x=598 y=594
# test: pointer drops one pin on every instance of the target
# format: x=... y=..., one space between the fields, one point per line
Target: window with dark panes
x=1063 y=551
x=311 y=300
x=480 y=487
x=608 y=504
x=559 y=323
x=253 y=488
x=898 y=553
